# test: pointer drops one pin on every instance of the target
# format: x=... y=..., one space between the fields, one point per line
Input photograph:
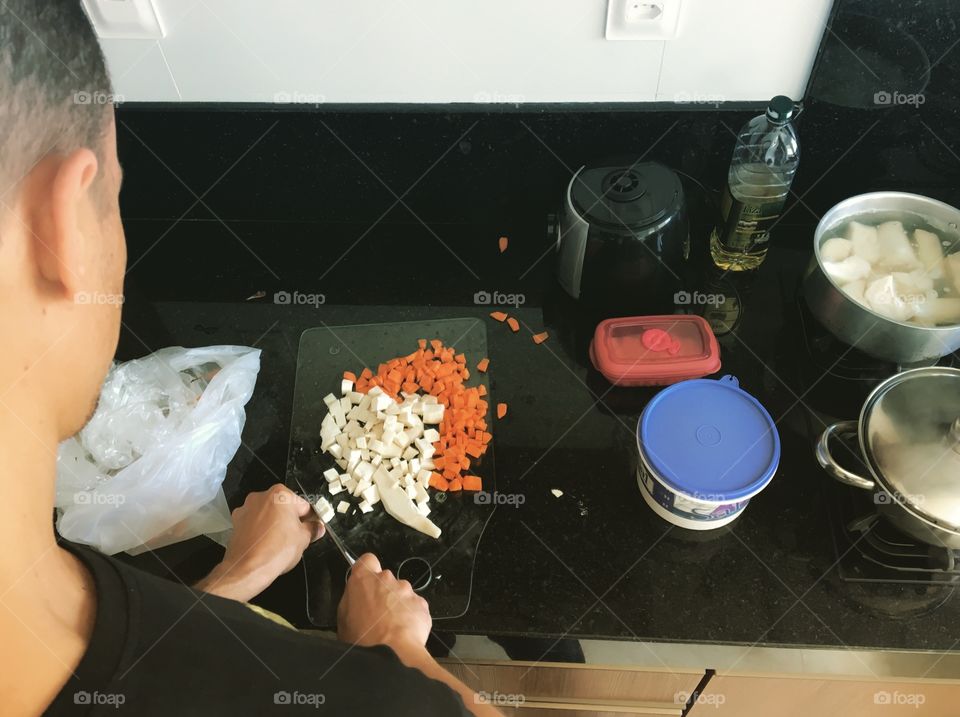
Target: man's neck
x=47 y=601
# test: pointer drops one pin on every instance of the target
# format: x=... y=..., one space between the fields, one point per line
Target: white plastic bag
x=147 y=469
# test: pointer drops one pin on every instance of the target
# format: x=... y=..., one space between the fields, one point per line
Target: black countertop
x=595 y=562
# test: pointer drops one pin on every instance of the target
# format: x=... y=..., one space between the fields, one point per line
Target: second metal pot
x=855 y=324
x=909 y=432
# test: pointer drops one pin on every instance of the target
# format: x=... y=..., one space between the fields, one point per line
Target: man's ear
x=61 y=247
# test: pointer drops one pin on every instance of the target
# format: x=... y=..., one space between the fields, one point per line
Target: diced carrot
x=513 y=324
x=501 y=410
x=504 y=241
x=481 y=390
x=498 y=316
x=541 y=337
x=438 y=481
x=455 y=485
x=422 y=343
x=472 y=483
x=366 y=373
x=482 y=365
x=350 y=376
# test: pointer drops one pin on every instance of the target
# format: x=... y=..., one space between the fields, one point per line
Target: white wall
x=455 y=51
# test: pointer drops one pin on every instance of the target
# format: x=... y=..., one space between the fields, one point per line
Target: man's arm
x=270 y=532
x=378 y=609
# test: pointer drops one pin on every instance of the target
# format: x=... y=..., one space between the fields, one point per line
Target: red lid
x=654 y=350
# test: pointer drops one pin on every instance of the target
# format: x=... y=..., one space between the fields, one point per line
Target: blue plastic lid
x=710 y=439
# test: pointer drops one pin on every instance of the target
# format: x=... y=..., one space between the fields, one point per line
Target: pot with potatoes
x=885 y=276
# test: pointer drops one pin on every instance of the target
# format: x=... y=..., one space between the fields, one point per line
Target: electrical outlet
x=642 y=19
x=124 y=19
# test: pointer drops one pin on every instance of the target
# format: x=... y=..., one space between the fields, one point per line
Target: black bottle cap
x=780 y=109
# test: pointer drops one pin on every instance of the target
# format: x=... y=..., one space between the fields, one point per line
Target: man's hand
x=270 y=532
x=378 y=609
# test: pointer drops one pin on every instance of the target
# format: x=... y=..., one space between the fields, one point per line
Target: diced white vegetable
x=346 y=387
x=330 y=399
x=884 y=297
x=855 y=289
x=362 y=443
x=365 y=507
x=411 y=492
x=939 y=311
x=410 y=453
x=350 y=484
x=361 y=486
x=423 y=477
x=421 y=495
x=557 y=493
x=407 y=480
x=335 y=450
x=896 y=252
x=342 y=462
x=929 y=252
x=355 y=397
x=364 y=472
x=398 y=504
x=343 y=506
x=325 y=510
x=331 y=475
x=431 y=435
x=335 y=487
x=850 y=269
x=376 y=460
x=424 y=510
x=864 y=241
x=836 y=249
x=433 y=413
x=370 y=495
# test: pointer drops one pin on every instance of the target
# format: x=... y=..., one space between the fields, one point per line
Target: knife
x=344 y=551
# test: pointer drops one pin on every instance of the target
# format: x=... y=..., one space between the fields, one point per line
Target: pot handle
x=825 y=458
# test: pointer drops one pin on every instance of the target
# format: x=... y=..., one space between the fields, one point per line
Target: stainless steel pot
x=855 y=324
x=909 y=431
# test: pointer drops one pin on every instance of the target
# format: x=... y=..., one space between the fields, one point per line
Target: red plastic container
x=654 y=350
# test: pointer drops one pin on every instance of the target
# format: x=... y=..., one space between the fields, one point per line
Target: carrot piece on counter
x=455 y=485
x=498 y=316
x=501 y=410
x=472 y=483
x=482 y=365
x=513 y=324
x=422 y=343
x=366 y=374
x=350 y=376
x=541 y=337
x=503 y=242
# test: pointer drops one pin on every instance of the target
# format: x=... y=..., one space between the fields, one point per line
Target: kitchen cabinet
x=761 y=696
x=567 y=690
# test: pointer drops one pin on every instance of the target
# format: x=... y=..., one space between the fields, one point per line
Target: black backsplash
x=221 y=201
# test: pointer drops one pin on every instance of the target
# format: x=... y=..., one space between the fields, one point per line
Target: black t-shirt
x=159 y=648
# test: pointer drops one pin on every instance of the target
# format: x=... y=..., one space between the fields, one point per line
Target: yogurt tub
x=706 y=448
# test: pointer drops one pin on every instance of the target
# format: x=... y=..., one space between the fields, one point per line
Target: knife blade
x=344 y=551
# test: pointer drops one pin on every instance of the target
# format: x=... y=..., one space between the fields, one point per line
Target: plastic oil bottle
x=764 y=163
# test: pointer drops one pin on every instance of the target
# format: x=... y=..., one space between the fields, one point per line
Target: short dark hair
x=55 y=93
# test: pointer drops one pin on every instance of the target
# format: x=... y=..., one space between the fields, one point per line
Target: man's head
x=62 y=251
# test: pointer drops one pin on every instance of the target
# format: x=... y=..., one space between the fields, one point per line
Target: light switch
x=124 y=19
x=642 y=19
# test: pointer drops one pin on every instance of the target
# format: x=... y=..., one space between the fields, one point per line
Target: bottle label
x=746 y=227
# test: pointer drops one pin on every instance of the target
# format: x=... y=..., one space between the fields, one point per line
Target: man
x=81 y=633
